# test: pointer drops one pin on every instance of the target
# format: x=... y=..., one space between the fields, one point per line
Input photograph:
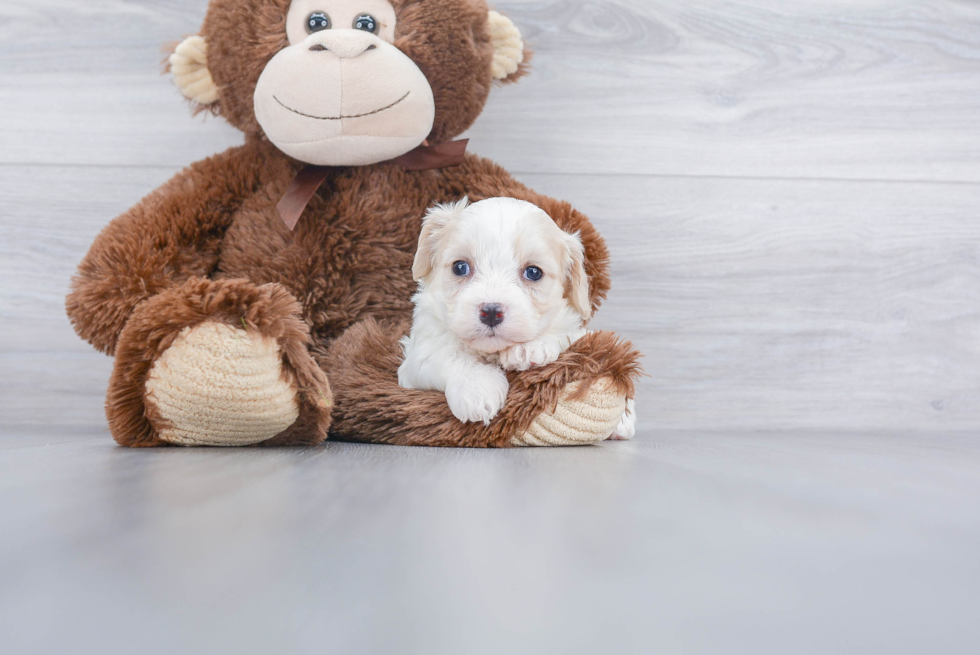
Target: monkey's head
x=348 y=82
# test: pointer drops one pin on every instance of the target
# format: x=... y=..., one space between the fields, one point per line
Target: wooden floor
x=791 y=192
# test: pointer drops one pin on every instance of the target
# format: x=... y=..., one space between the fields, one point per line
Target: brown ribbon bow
x=311 y=177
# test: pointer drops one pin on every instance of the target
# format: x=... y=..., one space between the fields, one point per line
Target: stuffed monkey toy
x=258 y=297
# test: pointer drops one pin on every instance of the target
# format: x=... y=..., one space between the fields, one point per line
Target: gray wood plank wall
x=791 y=192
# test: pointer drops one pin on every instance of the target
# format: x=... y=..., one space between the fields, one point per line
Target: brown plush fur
x=209 y=245
x=371 y=406
x=269 y=310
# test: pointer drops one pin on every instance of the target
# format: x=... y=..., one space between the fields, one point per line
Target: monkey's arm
x=170 y=236
x=577 y=399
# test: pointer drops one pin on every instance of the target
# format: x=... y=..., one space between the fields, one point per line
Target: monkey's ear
x=189 y=66
x=510 y=57
x=433 y=230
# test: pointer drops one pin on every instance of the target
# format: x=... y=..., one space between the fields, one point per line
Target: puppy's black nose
x=491 y=314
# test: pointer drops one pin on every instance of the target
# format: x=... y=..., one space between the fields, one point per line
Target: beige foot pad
x=586 y=420
x=221 y=386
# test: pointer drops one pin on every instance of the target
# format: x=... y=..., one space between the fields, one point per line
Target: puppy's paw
x=626 y=428
x=479 y=396
x=522 y=356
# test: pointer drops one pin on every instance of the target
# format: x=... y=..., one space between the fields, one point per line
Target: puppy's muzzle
x=492 y=314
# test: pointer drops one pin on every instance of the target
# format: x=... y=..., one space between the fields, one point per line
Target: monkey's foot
x=220 y=386
x=579 y=418
x=187 y=373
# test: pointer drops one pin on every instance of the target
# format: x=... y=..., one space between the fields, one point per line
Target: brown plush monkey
x=231 y=326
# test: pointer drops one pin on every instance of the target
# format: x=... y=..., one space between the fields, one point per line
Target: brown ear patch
x=433 y=230
x=576 y=280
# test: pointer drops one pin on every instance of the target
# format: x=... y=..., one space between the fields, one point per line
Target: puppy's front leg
x=475 y=391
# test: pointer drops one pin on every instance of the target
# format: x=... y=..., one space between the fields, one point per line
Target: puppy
x=501 y=286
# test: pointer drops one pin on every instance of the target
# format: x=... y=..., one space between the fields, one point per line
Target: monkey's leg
x=576 y=400
x=217 y=363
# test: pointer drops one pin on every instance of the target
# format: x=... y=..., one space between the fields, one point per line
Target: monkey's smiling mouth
x=337 y=118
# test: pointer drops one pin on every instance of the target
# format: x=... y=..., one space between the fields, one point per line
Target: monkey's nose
x=345 y=44
x=491 y=314
x=319 y=47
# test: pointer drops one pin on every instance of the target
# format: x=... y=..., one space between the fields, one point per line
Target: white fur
x=626 y=429
x=449 y=349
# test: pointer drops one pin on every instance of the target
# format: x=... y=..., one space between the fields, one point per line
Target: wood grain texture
x=815 y=89
x=885 y=89
x=766 y=304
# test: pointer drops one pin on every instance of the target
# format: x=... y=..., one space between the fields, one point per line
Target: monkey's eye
x=367 y=23
x=461 y=269
x=533 y=273
x=317 y=22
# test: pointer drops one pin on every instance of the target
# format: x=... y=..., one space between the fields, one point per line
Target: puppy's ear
x=434 y=228
x=576 y=281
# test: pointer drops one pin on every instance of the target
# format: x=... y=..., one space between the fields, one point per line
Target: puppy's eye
x=461 y=269
x=533 y=273
x=367 y=23
x=317 y=22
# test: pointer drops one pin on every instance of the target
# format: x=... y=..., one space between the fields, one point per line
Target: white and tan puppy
x=501 y=286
